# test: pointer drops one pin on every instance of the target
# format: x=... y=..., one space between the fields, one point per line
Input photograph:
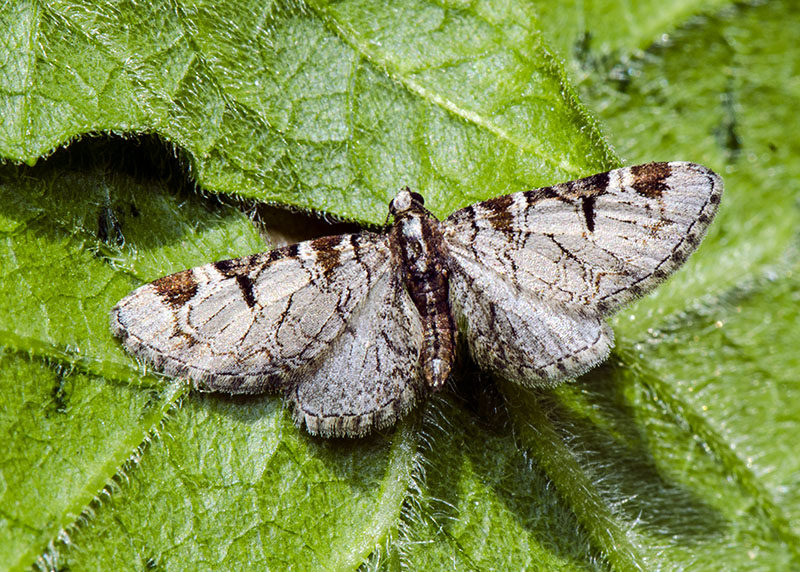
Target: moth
x=354 y=329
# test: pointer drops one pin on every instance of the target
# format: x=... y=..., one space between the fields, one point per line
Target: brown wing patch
x=650 y=180
x=177 y=289
x=500 y=216
x=327 y=255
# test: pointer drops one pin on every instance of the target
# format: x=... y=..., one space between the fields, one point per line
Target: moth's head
x=406 y=201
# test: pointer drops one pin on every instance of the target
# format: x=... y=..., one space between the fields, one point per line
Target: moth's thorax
x=416 y=242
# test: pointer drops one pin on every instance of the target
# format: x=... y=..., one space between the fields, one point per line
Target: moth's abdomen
x=417 y=242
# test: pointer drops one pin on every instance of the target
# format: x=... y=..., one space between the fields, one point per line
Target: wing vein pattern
x=550 y=263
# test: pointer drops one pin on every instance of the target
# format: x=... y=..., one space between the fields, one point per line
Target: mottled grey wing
x=526 y=339
x=368 y=377
x=532 y=273
x=259 y=322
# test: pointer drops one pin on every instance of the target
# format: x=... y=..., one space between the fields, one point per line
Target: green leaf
x=330 y=107
x=676 y=454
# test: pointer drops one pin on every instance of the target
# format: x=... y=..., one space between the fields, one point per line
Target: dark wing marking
x=532 y=273
x=595 y=243
x=247 y=325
